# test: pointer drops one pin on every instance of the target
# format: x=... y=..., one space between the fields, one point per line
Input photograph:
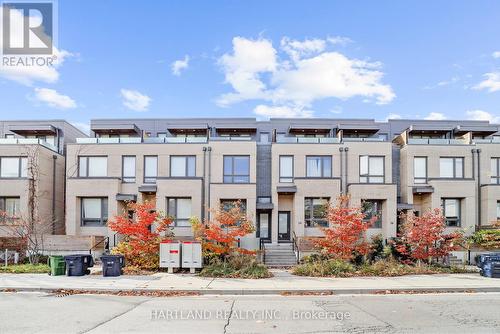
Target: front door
x=265 y=225
x=283 y=226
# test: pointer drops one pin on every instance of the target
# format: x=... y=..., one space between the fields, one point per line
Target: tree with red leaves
x=345 y=234
x=423 y=238
x=143 y=232
x=222 y=232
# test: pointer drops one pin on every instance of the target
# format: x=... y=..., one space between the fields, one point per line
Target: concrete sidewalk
x=282 y=282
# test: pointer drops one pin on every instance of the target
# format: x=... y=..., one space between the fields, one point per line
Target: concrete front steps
x=279 y=255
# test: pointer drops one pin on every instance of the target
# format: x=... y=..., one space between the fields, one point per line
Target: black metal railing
x=106 y=244
x=295 y=247
x=262 y=248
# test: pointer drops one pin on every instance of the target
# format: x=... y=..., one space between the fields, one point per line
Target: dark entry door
x=284 y=226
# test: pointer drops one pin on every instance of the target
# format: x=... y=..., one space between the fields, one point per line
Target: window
x=451 y=211
x=286 y=168
x=13 y=167
x=128 y=169
x=263 y=229
x=498 y=210
x=371 y=169
x=228 y=204
x=179 y=208
x=372 y=208
x=9 y=135
x=94 y=211
x=451 y=167
x=315 y=210
x=182 y=166
x=319 y=166
x=150 y=169
x=92 y=166
x=236 y=169
x=495 y=170
x=9 y=206
x=420 y=169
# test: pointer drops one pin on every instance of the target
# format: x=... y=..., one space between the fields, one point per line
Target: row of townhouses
x=282 y=170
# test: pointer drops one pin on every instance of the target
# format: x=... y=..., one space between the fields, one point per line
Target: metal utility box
x=191 y=255
x=170 y=254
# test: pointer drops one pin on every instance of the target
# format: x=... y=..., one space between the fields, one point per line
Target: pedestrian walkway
x=283 y=282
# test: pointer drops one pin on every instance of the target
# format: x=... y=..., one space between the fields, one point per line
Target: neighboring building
x=34 y=150
x=284 y=171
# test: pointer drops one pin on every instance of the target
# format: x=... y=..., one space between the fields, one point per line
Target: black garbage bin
x=491 y=266
x=481 y=258
x=112 y=265
x=75 y=265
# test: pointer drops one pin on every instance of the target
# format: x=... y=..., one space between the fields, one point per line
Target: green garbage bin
x=57 y=265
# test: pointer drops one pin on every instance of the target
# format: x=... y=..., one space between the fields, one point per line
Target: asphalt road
x=428 y=313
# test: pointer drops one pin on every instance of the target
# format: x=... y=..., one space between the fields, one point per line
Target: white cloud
x=492 y=82
x=305 y=73
x=179 y=65
x=336 y=110
x=339 y=40
x=134 y=100
x=481 y=115
x=84 y=127
x=54 y=99
x=496 y=54
x=393 y=116
x=435 y=116
x=281 y=111
x=27 y=75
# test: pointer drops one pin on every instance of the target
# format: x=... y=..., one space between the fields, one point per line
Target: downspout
x=473 y=151
x=54 y=159
x=209 y=177
x=341 y=150
x=346 y=170
x=203 y=204
x=478 y=151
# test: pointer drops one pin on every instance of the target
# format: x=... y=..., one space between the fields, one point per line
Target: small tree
x=345 y=234
x=143 y=232
x=223 y=231
x=423 y=238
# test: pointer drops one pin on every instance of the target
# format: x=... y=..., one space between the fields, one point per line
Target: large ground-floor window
x=94 y=211
x=179 y=208
x=315 y=211
x=9 y=208
x=372 y=208
x=451 y=211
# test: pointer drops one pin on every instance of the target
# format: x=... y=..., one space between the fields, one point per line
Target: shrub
x=330 y=267
x=489 y=239
x=25 y=269
x=236 y=266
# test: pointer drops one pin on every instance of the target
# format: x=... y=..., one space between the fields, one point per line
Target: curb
x=282 y=292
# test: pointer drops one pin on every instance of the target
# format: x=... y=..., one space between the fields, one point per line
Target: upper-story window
x=420 y=170
x=236 y=169
x=150 y=168
x=92 y=166
x=128 y=169
x=319 y=166
x=371 y=169
x=182 y=166
x=13 y=167
x=286 y=168
x=451 y=167
x=495 y=170
x=9 y=135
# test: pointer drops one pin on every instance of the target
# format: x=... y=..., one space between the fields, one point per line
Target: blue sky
x=371 y=59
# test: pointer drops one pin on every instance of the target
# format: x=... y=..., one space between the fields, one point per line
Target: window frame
x=103 y=220
x=146 y=178
x=498 y=210
x=380 y=208
x=283 y=179
x=309 y=220
x=186 y=168
x=415 y=178
x=232 y=175
x=87 y=164
x=458 y=220
x=454 y=158
x=20 y=172
x=322 y=158
x=129 y=179
x=3 y=208
x=175 y=218
x=368 y=176
x=497 y=176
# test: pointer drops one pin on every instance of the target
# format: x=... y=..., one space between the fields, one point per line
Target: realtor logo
x=28 y=28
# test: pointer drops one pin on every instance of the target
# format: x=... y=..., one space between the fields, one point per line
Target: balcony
x=228 y=138
x=367 y=139
x=437 y=141
x=27 y=141
x=494 y=140
x=139 y=140
x=307 y=140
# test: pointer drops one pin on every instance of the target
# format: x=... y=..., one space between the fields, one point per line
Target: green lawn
x=25 y=269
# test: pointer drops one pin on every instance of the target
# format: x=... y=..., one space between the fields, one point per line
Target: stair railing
x=295 y=247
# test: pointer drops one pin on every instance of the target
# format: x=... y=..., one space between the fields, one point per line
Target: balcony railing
x=138 y=140
x=369 y=139
x=438 y=141
x=220 y=138
x=308 y=140
x=27 y=141
x=487 y=141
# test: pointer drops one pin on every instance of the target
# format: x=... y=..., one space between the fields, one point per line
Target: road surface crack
x=230 y=315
